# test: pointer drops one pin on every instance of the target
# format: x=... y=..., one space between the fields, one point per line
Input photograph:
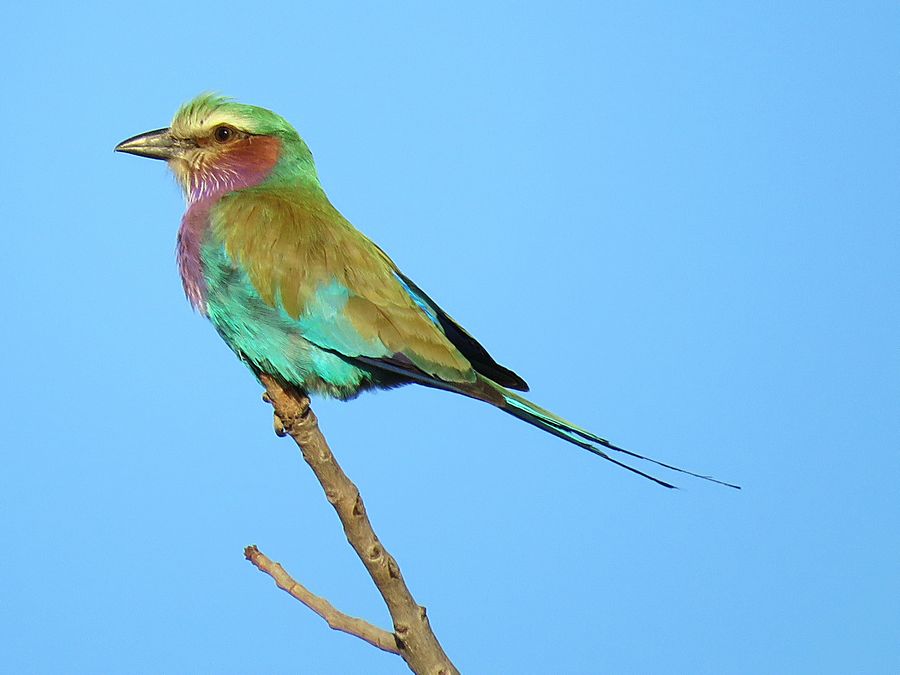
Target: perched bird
x=300 y=294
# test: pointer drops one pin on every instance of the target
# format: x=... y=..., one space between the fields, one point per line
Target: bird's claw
x=280 y=431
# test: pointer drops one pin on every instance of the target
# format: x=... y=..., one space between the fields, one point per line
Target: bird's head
x=216 y=145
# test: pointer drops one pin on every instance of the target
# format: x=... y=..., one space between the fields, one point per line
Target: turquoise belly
x=269 y=340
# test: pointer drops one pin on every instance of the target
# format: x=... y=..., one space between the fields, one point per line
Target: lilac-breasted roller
x=297 y=292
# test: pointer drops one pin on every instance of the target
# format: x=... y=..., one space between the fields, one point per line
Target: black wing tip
x=499 y=374
x=511 y=380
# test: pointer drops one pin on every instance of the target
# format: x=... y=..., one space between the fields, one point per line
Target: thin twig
x=335 y=618
x=413 y=636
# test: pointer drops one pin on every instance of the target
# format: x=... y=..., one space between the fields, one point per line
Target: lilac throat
x=245 y=168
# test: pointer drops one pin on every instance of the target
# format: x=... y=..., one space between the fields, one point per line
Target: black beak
x=159 y=144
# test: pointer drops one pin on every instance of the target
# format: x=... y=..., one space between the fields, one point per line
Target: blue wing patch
x=423 y=304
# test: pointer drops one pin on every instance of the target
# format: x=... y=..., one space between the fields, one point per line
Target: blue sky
x=679 y=224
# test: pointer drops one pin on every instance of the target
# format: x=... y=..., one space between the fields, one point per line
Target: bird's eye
x=223 y=134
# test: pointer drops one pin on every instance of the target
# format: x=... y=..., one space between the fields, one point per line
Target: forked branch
x=336 y=619
x=412 y=638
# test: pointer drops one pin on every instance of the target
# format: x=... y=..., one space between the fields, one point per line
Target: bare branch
x=335 y=618
x=413 y=636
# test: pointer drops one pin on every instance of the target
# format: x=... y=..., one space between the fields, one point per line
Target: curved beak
x=158 y=144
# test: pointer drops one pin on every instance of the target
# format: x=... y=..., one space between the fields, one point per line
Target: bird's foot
x=280 y=431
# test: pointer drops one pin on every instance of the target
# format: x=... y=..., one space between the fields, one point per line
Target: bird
x=299 y=294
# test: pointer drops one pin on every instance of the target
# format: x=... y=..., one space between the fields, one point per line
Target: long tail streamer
x=527 y=411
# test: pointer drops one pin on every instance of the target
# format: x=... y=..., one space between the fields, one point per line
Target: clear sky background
x=679 y=224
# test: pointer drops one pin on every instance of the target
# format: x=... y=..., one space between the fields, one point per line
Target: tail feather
x=485 y=389
x=525 y=410
x=566 y=435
